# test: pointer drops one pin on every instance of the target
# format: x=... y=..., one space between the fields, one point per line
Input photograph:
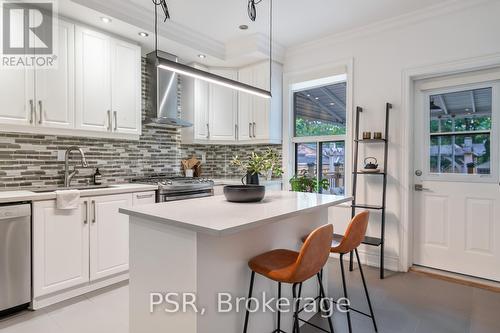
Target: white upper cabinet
x=94 y=89
x=55 y=87
x=17 y=87
x=260 y=119
x=194 y=99
x=126 y=87
x=108 y=83
x=93 y=80
x=223 y=108
x=17 y=98
x=226 y=116
x=245 y=107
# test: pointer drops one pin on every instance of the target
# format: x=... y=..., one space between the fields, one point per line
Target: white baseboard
x=54 y=298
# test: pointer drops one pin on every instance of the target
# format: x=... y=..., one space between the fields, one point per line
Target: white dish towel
x=67 y=199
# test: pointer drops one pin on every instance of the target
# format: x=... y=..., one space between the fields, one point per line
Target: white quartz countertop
x=25 y=195
x=216 y=216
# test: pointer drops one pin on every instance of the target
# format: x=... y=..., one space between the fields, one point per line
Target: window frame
x=493 y=177
x=320 y=140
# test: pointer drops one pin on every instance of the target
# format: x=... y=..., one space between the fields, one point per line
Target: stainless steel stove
x=179 y=188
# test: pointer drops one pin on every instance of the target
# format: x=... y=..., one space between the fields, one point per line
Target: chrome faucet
x=69 y=175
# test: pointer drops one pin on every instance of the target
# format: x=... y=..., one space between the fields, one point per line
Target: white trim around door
x=409 y=77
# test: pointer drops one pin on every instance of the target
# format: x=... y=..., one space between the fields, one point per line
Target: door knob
x=418 y=173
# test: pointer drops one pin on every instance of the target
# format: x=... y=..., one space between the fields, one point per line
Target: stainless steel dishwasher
x=15 y=257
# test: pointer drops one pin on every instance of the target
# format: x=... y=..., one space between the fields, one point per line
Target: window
x=320 y=111
x=319 y=114
x=460 y=132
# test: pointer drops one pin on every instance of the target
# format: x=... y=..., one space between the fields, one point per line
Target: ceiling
x=476 y=102
x=326 y=103
x=209 y=27
x=296 y=21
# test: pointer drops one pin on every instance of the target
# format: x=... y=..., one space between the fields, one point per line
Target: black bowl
x=244 y=193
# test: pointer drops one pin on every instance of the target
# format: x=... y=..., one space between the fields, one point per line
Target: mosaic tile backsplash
x=28 y=160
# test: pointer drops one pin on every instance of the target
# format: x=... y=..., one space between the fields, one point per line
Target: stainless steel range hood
x=163 y=90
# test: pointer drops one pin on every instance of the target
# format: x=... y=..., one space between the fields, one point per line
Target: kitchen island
x=202 y=246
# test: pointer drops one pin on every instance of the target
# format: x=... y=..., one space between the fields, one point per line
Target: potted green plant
x=305 y=183
x=259 y=164
x=470 y=167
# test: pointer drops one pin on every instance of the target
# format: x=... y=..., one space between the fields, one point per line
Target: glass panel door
x=460 y=133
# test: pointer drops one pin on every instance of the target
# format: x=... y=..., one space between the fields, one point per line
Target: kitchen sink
x=62 y=188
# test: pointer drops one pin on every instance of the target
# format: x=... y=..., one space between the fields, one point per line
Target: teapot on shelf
x=371 y=163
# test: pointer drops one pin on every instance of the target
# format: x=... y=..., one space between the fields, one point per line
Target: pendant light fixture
x=189 y=71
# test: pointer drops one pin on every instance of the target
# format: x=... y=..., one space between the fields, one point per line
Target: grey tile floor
x=413 y=303
x=404 y=303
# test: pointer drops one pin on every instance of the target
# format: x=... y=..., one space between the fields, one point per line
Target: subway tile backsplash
x=28 y=160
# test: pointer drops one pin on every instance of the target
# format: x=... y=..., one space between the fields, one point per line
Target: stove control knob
x=169 y=182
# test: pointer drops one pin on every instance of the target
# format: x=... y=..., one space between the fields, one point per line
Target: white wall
x=380 y=57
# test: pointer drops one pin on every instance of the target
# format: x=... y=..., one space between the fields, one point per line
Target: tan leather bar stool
x=353 y=237
x=285 y=266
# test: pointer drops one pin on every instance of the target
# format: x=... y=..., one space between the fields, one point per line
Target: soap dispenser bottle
x=97 y=177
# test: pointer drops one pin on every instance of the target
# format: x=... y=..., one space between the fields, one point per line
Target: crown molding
x=135 y=14
x=414 y=17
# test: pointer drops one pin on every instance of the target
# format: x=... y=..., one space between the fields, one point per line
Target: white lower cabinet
x=79 y=250
x=60 y=247
x=108 y=236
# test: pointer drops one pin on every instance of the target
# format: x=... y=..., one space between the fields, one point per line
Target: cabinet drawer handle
x=144 y=196
x=40 y=120
x=208 y=131
x=86 y=219
x=116 y=120
x=32 y=118
x=93 y=216
x=109 y=120
x=250 y=129
x=254 y=125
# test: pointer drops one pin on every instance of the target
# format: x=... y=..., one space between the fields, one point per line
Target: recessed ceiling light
x=243 y=27
x=143 y=34
x=106 y=19
x=332 y=104
x=316 y=98
x=201 y=56
x=308 y=95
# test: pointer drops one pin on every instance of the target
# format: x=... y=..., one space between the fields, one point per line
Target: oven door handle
x=166 y=198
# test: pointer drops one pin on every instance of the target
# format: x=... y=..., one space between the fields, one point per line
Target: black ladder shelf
x=371 y=241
